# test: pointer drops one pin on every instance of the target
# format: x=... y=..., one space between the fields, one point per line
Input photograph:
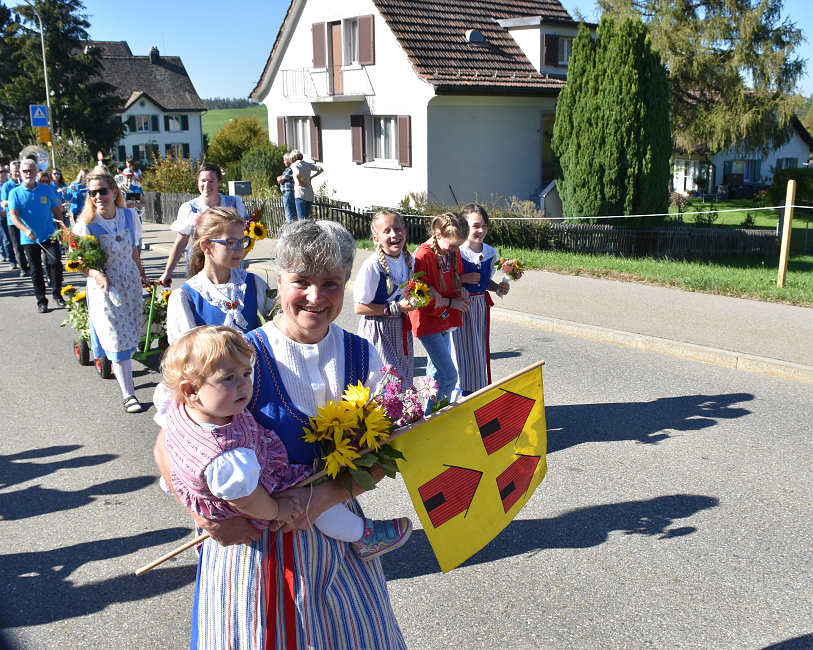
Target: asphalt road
x=676 y=512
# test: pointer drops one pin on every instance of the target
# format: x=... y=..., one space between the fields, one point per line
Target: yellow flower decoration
x=248 y=248
x=376 y=423
x=79 y=297
x=66 y=289
x=73 y=266
x=91 y=238
x=333 y=418
x=257 y=231
x=165 y=296
x=357 y=395
x=342 y=456
x=422 y=291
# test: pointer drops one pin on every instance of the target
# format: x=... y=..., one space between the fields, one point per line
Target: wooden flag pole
x=315 y=477
x=784 y=250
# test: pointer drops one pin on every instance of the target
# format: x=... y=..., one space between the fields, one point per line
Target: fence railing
x=679 y=241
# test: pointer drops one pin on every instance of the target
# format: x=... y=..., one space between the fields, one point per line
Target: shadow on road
x=36 y=500
x=799 y=643
x=574 y=424
x=580 y=528
x=13 y=471
x=38 y=588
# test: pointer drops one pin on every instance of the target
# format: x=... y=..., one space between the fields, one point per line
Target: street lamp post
x=47 y=90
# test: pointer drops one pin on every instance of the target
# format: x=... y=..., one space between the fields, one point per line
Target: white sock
x=124 y=373
x=339 y=523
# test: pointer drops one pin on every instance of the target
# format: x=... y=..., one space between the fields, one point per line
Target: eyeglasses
x=102 y=191
x=233 y=244
x=28 y=171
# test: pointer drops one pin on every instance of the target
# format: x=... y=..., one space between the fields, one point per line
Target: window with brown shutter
x=357 y=137
x=550 y=49
x=281 y=131
x=404 y=141
x=366 y=40
x=316 y=138
x=319 y=45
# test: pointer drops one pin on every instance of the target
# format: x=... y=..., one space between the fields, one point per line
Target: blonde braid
x=382 y=259
x=439 y=259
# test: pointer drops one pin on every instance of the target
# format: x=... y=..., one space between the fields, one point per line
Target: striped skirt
x=387 y=337
x=470 y=347
x=291 y=591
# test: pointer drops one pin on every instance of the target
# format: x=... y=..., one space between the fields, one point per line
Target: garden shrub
x=171 y=174
x=262 y=164
x=804 y=184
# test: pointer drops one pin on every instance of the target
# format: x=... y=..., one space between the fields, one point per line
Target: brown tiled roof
x=111 y=48
x=432 y=33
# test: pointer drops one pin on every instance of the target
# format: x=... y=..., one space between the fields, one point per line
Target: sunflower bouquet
x=416 y=292
x=255 y=230
x=512 y=270
x=159 y=311
x=82 y=253
x=353 y=431
x=77 y=311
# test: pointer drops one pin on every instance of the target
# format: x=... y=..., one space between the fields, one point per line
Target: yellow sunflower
x=79 y=297
x=358 y=395
x=248 y=248
x=422 y=292
x=342 y=456
x=165 y=296
x=333 y=418
x=67 y=289
x=257 y=231
x=74 y=266
x=377 y=424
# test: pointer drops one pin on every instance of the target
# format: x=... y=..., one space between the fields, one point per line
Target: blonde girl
x=223 y=464
x=115 y=329
x=218 y=291
x=471 y=341
x=379 y=300
x=439 y=260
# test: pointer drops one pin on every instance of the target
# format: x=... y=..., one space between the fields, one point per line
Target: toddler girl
x=379 y=300
x=472 y=355
x=223 y=464
x=439 y=260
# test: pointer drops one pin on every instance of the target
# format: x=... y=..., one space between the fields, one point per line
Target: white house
x=455 y=99
x=701 y=171
x=162 y=110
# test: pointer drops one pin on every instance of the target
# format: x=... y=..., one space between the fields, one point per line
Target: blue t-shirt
x=9 y=185
x=35 y=207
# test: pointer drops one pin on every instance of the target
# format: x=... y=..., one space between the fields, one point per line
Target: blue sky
x=224 y=45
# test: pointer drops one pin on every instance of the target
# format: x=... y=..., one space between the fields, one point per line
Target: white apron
x=117 y=328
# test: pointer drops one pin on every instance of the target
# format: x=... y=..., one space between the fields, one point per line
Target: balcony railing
x=329 y=83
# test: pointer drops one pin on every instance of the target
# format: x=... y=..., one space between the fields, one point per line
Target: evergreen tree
x=732 y=68
x=611 y=135
x=81 y=100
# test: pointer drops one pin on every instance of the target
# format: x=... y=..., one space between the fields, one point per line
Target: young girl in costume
x=439 y=260
x=470 y=342
x=218 y=291
x=379 y=300
x=223 y=464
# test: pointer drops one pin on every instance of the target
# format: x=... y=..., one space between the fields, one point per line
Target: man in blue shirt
x=13 y=234
x=286 y=186
x=33 y=207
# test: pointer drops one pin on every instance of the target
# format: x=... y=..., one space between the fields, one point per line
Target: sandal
x=132 y=405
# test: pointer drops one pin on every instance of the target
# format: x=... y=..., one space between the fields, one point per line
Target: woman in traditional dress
x=115 y=330
x=209 y=177
x=296 y=588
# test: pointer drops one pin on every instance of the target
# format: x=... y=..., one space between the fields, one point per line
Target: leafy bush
x=679 y=201
x=234 y=140
x=804 y=184
x=261 y=165
x=748 y=221
x=704 y=219
x=172 y=175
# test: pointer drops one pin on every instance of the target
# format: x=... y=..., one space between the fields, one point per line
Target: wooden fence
x=681 y=241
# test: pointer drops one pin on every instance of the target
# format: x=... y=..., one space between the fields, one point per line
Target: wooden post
x=784 y=248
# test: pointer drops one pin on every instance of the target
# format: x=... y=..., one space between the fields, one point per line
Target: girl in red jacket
x=440 y=262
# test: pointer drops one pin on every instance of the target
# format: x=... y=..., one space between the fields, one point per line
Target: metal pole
x=47 y=90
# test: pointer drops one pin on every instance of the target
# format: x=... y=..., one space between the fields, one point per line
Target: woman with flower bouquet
x=115 y=278
x=295 y=587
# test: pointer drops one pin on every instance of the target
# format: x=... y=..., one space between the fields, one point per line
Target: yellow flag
x=472 y=467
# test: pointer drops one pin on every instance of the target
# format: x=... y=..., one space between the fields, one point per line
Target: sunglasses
x=233 y=244
x=102 y=191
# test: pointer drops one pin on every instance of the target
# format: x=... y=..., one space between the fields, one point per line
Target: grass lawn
x=213 y=120
x=742 y=277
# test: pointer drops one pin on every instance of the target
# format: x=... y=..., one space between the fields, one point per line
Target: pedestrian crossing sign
x=39 y=115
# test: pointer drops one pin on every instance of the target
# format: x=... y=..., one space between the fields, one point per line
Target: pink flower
x=426 y=387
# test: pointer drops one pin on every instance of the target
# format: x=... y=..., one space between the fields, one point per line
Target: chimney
x=154 y=57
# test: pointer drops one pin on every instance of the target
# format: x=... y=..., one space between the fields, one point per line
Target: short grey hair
x=309 y=247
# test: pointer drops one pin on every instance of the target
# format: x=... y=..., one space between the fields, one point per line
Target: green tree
x=262 y=164
x=231 y=142
x=611 y=136
x=732 y=68
x=804 y=111
x=81 y=100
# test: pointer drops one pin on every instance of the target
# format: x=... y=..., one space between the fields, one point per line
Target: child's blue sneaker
x=382 y=537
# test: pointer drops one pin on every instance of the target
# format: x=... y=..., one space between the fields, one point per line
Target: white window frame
x=140 y=121
x=565 y=49
x=174 y=120
x=298 y=134
x=786 y=163
x=177 y=149
x=350 y=41
x=384 y=141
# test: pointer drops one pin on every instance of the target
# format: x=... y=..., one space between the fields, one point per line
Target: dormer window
x=475 y=37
